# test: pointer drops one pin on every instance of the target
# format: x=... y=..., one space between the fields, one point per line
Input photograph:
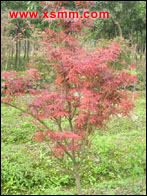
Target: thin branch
x=20 y=109
x=24 y=111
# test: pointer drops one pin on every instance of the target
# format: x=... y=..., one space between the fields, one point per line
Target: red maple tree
x=87 y=92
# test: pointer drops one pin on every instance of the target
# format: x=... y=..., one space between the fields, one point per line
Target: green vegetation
x=116 y=162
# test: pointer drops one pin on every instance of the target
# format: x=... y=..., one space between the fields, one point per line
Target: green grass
x=115 y=165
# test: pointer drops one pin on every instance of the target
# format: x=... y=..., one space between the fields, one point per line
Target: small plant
x=87 y=93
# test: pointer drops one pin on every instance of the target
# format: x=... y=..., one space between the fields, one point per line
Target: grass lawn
x=115 y=165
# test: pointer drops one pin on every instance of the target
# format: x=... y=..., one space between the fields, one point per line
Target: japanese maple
x=87 y=92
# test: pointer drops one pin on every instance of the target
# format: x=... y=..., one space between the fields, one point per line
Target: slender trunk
x=25 y=49
x=137 y=45
x=16 y=55
x=19 y=50
x=137 y=37
x=115 y=31
x=141 y=41
x=28 y=49
x=9 y=54
x=119 y=28
x=12 y=52
x=77 y=181
x=104 y=30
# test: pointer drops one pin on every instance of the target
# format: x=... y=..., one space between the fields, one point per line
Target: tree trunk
x=136 y=45
x=19 y=50
x=104 y=30
x=16 y=55
x=12 y=53
x=78 y=183
x=28 y=50
x=119 y=28
x=141 y=41
x=25 y=49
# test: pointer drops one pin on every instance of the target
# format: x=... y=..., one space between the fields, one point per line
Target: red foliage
x=87 y=89
x=16 y=83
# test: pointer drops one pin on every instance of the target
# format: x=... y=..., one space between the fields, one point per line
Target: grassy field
x=115 y=166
